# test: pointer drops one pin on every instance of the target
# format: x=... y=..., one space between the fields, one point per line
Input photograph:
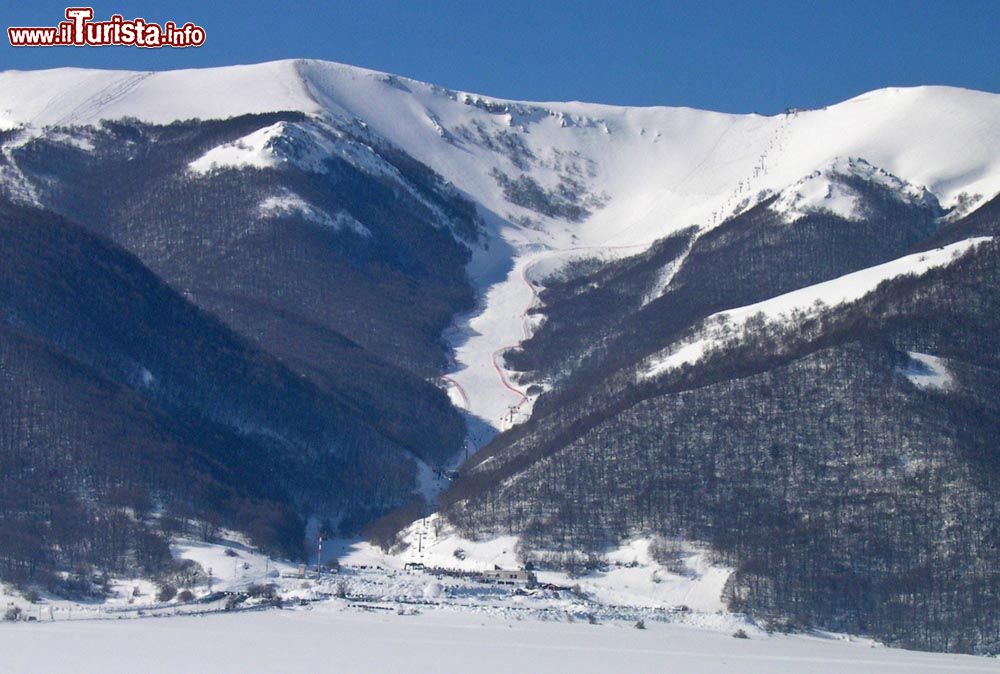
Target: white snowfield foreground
x=327 y=639
x=644 y=172
x=390 y=619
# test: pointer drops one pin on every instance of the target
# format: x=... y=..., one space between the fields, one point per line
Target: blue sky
x=731 y=56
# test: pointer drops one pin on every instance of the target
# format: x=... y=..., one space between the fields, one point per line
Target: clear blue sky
x=732 y=56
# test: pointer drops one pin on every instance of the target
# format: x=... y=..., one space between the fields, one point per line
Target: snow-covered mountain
x=552 y=177
x=687 y=163
x=572 y=273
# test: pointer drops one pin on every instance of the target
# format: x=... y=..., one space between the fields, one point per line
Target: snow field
x=333 y=638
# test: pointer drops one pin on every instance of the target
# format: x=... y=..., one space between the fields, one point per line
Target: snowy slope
x=944 y=138
x=632 y=577
x=809 y=300
x=610 y=177
x=828 y=191
x=928 y=371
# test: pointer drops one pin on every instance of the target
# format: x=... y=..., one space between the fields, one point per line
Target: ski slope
x=638 y=174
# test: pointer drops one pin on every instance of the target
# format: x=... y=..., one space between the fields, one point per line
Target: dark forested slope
x=123 y=400
x=809 y=453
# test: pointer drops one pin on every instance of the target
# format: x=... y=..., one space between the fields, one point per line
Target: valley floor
x=427 y=608
x=330 y=636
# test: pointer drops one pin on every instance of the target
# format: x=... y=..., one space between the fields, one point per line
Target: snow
x=332 y=636
x=430 y=541
x=254 y=150
x=430 y=483
x=233 y=563
x=632 y=577
x=941 y=137
x=478 y=342
x=308 y=146
x=375 y=615
x=827 y=191
x=928 y=372
x=305 y=145
x=713 y=330
x=13 y=182
x=287 y=203
x=666 y=276
x=81 y=140
x=501 y=322
x=75 y=96
x=855 y=285
x=644 y=173
x=653 y=170
x=230 y=571
x=370 y=578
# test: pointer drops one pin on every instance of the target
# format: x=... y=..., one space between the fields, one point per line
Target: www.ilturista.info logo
x=80 y=30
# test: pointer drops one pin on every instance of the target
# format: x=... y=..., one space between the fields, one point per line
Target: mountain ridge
x=372 y=72
x=390 y=252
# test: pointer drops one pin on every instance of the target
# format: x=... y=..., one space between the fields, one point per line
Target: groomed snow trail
x=480 y=379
